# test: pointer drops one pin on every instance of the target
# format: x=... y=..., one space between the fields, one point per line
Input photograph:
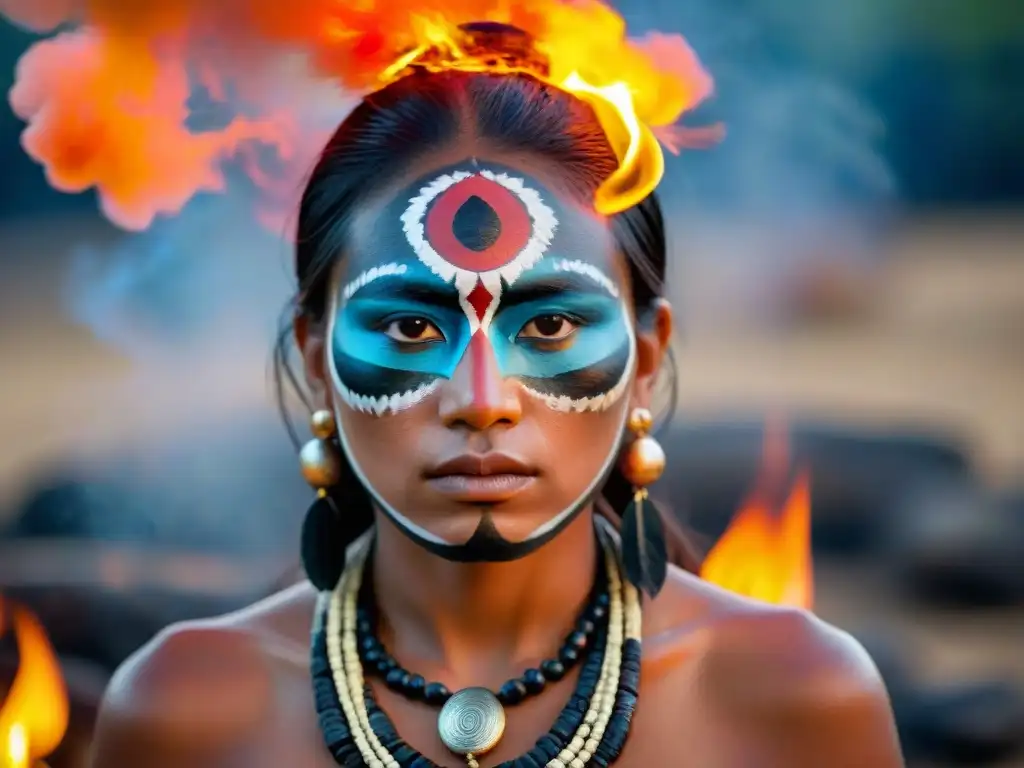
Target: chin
x=477 y=532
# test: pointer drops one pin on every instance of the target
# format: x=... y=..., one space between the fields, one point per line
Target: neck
x=471 y=616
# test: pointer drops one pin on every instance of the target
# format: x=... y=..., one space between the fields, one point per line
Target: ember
x=34 y=714
x=766 y=551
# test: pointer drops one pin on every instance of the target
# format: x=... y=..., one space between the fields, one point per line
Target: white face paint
x=482 y=274
x=521 y=240
x=476 y=266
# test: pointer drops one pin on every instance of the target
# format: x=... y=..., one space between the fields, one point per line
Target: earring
x=323 y=544
x=644 y=553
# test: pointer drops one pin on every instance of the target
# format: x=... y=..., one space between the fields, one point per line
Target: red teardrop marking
x=516 y=225
x=480 y=299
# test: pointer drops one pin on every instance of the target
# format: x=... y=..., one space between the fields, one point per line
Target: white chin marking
x=385 y=404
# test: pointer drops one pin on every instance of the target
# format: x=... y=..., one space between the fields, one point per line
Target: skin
x=726 y=682
x=538 y=375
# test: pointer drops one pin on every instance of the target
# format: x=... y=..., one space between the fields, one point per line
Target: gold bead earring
x=644 y=552
x=319 y=458
x=323 y=543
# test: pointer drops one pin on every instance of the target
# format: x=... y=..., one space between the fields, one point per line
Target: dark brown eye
x=413 y=330
x=548 y=328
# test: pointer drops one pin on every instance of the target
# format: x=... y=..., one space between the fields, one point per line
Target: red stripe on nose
x=485 y=379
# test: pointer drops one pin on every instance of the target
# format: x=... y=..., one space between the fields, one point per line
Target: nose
x=477 y=395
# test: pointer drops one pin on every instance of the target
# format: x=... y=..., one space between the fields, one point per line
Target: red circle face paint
x=479 y=230
x=482 y=255
x=478 y=225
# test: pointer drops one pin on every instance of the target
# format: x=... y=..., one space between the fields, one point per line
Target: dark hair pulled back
x=427 y=111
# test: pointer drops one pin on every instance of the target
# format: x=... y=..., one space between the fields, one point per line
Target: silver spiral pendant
x=471 y=722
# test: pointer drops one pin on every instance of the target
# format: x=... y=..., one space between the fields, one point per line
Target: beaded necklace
x=591 y=730
x=378 y=662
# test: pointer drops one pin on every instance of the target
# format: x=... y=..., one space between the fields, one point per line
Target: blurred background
x=850 y=257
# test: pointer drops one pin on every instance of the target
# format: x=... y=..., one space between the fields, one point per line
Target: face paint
x=483 y=255
x=494 y=270
x=487 y=545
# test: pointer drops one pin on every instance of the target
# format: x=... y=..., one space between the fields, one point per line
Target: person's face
x=481 y=355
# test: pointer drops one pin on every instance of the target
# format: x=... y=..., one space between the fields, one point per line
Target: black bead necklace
x=347 y=741
x=342 y=747
x=377 y=661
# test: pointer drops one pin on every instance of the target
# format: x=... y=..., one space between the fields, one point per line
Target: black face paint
x=476 y=225
x=487 y=545
x=602 y=376
x=481 y=254
x=375 y=380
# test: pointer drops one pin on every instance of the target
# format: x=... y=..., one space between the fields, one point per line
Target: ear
x=312 y=344
x=653 y=335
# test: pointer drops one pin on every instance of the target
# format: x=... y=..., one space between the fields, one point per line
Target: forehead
x=476 y=217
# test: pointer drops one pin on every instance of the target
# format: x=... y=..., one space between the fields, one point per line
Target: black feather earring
x=323 y=534
x=644 y=553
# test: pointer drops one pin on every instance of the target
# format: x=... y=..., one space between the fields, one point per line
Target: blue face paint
x=480 y=263
x=363 y=321
x=552 y=316
x=598 y=321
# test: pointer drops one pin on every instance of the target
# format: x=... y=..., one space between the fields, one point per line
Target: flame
x=638 y=89
x=109 y=104
x=766 y=551
x=34 y=716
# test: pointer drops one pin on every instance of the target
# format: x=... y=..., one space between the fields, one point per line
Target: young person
x=481 y=346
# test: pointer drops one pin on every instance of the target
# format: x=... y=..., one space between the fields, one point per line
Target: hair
x=426 y=111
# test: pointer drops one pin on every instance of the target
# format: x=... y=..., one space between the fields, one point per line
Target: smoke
x=109 y=104
x=184 y=114
x=799 y=141
x=155 y=103
x=185 y=438
x=181 y=113
x=799 y=184
x=197 y=280
x=148 y=103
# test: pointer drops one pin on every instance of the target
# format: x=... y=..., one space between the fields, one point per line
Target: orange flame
x=34 y=716
x=634 y=87
x=766 y=552
x=108 y=104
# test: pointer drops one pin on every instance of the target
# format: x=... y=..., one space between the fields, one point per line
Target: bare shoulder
x=200 y=687
x=806 y=692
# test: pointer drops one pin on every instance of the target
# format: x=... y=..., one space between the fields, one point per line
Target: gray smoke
x=193 y=303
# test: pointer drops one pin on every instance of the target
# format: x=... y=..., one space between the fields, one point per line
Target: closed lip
x=481 y=465
x=481 y=478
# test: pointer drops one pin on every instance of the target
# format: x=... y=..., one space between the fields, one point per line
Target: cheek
x=385 y=451
x=580 y=446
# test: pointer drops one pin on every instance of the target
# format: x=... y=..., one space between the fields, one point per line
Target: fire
x=34 y=716
x=634 y=87
x=766 y=551
x=110 y=103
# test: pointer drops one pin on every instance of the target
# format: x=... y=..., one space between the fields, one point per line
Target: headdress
x=109 y=104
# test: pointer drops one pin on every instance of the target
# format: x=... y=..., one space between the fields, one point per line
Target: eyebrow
x=548 y=286
x=434 y=293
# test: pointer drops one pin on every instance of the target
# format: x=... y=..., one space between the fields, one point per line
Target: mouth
x=487 y=478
